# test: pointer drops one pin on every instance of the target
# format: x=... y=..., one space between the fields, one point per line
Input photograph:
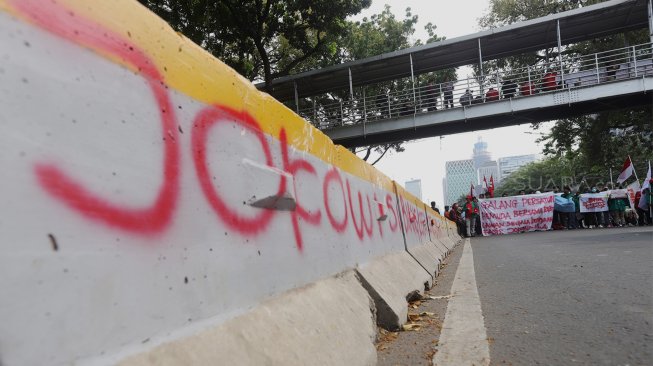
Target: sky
x=425 y=159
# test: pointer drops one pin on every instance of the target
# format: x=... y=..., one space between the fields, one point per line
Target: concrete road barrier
x=157 y=208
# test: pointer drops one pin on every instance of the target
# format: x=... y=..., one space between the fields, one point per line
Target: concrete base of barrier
x=389 y=280
x=330 y=322
x=429 y=256
x=452 y=241
x=442 y=245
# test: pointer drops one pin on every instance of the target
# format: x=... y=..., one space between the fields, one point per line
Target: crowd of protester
x=619 y=214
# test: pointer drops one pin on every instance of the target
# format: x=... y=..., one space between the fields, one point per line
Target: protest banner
x=508 y=215
x=593 y=202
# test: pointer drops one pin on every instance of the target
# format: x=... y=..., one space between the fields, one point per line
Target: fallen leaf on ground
x=429 y=355
x=384 y=338
x=426 y=313
x=408 y=327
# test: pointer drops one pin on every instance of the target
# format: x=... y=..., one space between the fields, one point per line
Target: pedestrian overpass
x=361 y=112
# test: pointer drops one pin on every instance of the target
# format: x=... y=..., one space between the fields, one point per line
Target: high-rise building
x=510 y=164
x=484 y=165
x=481 y=154
x=460 y=175
x=415 y=187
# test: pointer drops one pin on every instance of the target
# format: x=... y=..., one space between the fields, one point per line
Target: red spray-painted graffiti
x=157 y=217
x=205 y=119
x=364 y=225
x=333 y=175
x=415 y=222
x=150 y=220
x=294 y=167
x=259 y=224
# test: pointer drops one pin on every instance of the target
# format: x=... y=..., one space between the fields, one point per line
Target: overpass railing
x=569 y=73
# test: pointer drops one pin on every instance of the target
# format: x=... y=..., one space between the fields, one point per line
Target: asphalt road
x=568 y=297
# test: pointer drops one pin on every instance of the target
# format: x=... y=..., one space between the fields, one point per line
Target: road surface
x=567 y=297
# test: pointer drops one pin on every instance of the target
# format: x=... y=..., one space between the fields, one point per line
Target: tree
x=601 y=142
x=504 y=12
x=261 y=39
x=544 y=175
x=379 y=34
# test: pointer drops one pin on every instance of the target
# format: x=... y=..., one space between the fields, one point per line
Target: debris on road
x=385 y=338
x=411 y=326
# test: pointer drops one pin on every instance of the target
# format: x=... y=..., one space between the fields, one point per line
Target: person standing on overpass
x=492 y=95
x=509 y=89
x=447 y=88
x=527 y=88
x=549 y=81
x=466 y=99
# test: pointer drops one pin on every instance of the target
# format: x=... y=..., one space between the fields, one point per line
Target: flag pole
x=612 y=183
x=634 y=171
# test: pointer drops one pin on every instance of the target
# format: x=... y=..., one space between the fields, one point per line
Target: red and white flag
x=632 y=190
x=472 y=191
x=485 y=185
x=626 y=171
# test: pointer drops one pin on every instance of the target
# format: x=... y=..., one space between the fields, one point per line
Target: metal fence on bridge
x=556 y=75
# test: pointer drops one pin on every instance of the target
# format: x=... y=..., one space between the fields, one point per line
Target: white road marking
x=463 y=340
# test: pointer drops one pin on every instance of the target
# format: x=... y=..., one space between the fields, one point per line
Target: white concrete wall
x=125 y=215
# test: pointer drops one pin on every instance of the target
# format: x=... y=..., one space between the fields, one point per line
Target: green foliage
x=503 y=12
x=261 y=39
x=602 y=142
x=381 y=33
x=543 y=175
